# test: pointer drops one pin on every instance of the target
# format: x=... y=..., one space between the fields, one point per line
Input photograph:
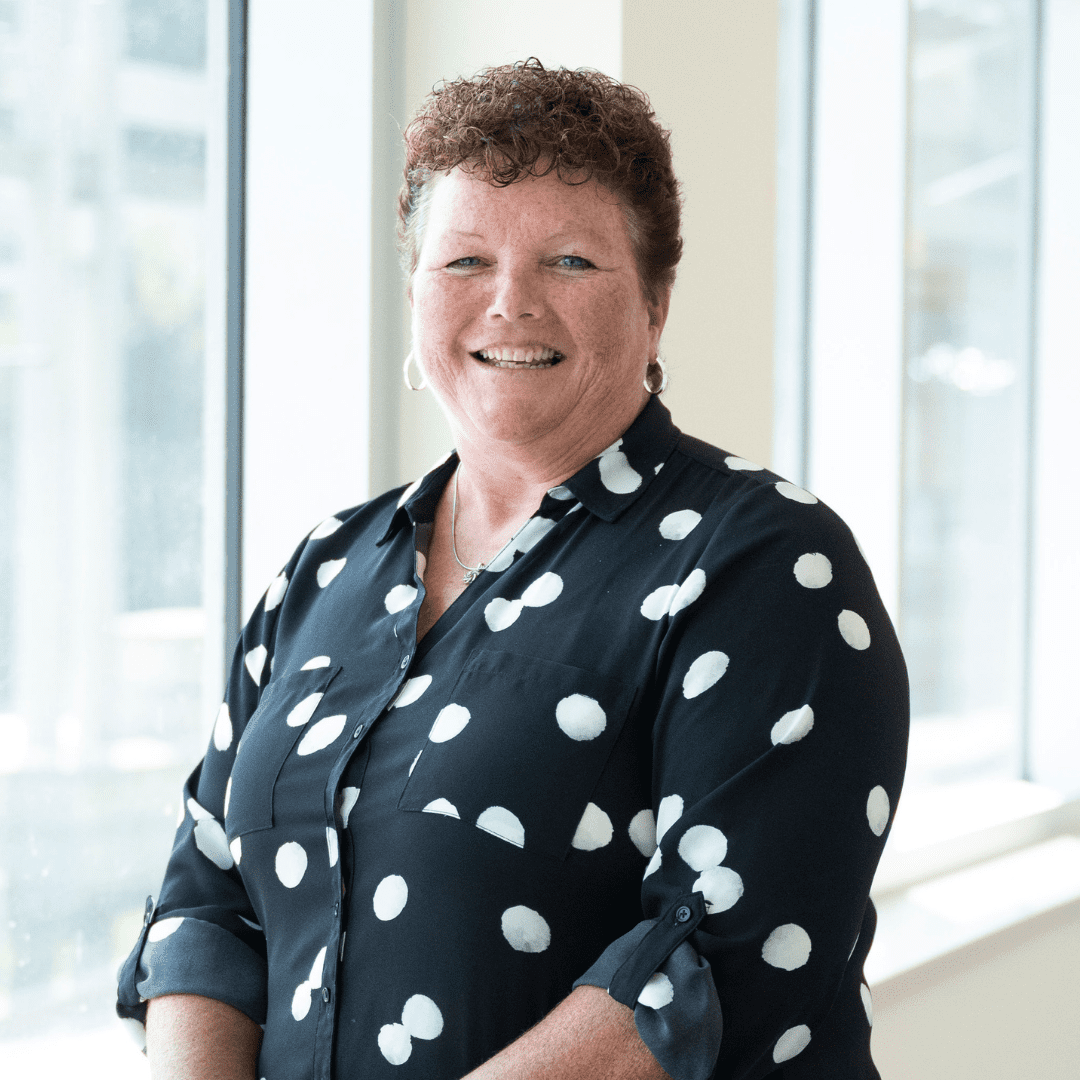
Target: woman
x=576 y=757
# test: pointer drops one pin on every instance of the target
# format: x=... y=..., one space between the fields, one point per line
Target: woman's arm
x=587 y=1036
x=196 y=1038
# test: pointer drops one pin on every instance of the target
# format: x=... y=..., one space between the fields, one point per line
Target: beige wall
x=1009 y=1011
x=710 y=68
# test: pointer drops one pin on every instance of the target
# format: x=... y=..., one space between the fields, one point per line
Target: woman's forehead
x=465 y=202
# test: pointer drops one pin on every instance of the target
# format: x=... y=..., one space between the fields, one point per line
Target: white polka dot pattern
x=580 y=717
x=301 y=1002
x=223 y=732
x=813 y=570
x=276 y=592
x=657 y=992
x=642 y=832
x=254 y=661
x=444 y=807
x=420 y=1019
x=787 y=947
x=702 y=846
x=346 y=802
x=793 y=1042
x=164 y=928
x=328 y=571
x=501 y=613
x=594 y=830
x=519 y=733
x=526 y=538
x=411 y=690
x=853 y=630
x=300 y=714
x=795 y=494
x=290 y=864
x=321 y=735
x=451 y=721
x=211 y=841
x=679 y=525
x=526 y=930
x=616 y=473
x=391 y=896
x=399 y=598
x=877 y=810
x=721 y=888
x=671 y=599
x=545 y=589
x=705 y=672
x=671 y=809
x=792 y=726
x=498 y=821
x=324 y=529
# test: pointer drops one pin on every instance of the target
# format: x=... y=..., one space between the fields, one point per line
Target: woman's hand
x=588 y=1036
x=196 y=1038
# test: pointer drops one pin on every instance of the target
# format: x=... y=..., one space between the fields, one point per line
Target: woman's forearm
x=197 y=1038
x=588 y=1036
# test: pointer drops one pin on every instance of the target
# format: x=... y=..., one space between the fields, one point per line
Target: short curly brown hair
x=523 y=119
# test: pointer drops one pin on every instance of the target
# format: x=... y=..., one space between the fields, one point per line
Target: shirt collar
x=606 y=486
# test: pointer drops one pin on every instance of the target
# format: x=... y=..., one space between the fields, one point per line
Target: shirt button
x=683 y=914
x=356 y=733
x=325 y=994
x=405 y=661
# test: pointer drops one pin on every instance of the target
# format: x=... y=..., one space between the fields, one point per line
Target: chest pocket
x=287 y=709
x=519 y=748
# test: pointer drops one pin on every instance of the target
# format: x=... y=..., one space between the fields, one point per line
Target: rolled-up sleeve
x=202 y=936
x=778 y=755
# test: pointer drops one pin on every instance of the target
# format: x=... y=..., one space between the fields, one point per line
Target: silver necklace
x=471 y=572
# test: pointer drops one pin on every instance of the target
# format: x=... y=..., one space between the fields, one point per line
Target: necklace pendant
x=471 y=574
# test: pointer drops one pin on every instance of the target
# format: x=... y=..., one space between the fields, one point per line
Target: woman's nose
x=518 y=294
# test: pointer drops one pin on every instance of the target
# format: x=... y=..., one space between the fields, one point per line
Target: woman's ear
x=658 y=312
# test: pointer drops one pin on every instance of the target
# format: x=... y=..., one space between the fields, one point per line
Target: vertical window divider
x=234 y=364
x=1031 y=304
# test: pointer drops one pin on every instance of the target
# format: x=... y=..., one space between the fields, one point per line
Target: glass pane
x=966 y=390
x=112 y=151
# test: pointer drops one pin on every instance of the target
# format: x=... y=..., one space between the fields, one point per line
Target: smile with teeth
x=533 y=357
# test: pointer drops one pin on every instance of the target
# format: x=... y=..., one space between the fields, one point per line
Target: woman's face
x=528 y=316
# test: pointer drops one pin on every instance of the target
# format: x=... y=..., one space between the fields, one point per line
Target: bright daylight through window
x=112 y=195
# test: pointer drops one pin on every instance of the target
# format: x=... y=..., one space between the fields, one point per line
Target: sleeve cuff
x=184 y=955
x=656 y=971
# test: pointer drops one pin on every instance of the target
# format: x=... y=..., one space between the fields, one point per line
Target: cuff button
x=683 y=914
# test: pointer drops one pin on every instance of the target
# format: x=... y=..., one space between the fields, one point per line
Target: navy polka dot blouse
x=655 y=747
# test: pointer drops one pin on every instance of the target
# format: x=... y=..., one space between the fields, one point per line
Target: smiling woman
x=594 y=732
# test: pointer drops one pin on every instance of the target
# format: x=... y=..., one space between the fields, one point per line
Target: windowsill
x=939 y=926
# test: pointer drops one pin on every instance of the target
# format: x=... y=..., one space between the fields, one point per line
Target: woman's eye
x=466 y=263
x=574 y=262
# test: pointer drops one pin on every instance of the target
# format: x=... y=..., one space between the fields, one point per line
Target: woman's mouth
x=522 y=357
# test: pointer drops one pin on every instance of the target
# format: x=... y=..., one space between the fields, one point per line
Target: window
x=928 y=250
x=112 y=385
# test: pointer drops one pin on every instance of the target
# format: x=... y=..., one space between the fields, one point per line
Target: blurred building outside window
x=927 y=293
x=112 y=326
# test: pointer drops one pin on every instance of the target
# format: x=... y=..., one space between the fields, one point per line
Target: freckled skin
x=539 y=262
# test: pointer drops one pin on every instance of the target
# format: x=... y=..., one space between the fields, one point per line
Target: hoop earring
x=405 y=373
x=663 y=377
